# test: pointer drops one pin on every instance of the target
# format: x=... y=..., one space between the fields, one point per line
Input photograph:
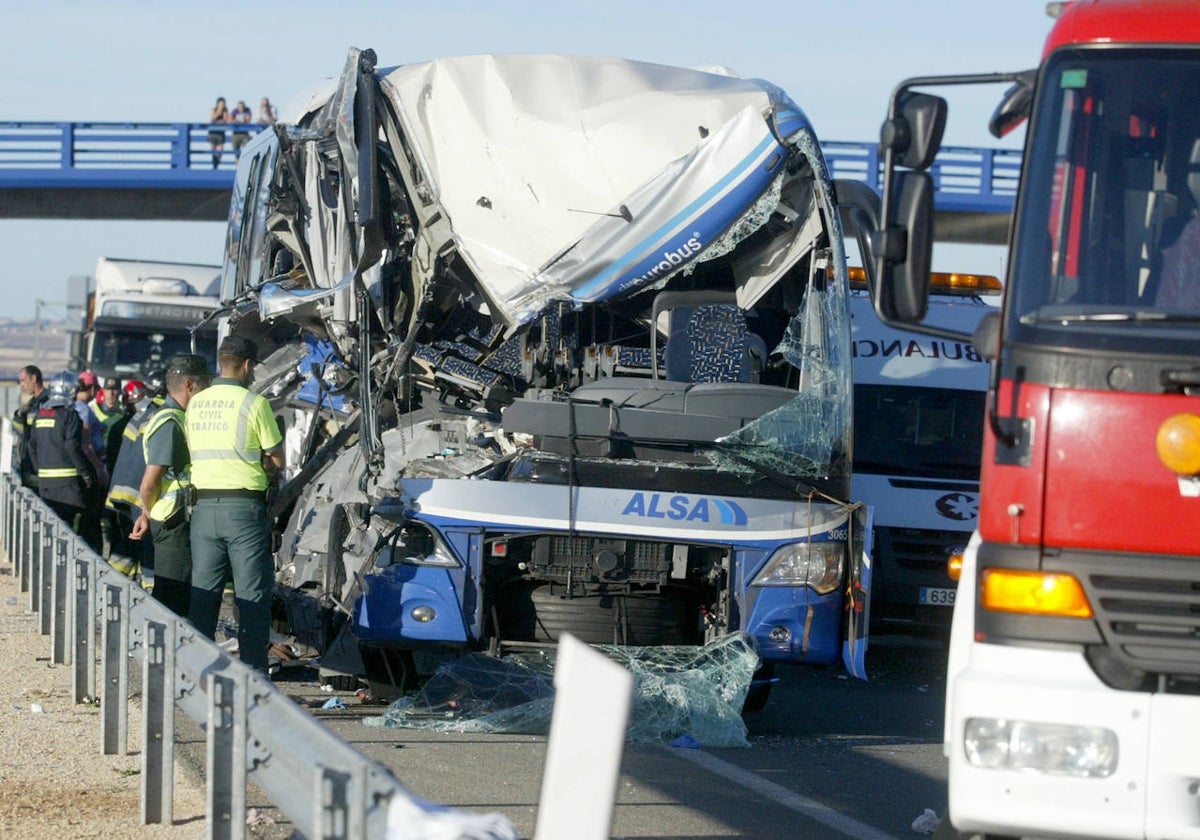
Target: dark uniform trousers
x=231 y=541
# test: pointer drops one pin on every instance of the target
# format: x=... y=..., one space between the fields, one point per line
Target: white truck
x=918 y=433
x=141 y=312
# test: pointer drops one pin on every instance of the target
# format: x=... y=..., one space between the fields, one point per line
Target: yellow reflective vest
x=228 y=429
x=170 y=493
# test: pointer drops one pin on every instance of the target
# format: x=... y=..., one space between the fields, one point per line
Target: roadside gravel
x=54 y=781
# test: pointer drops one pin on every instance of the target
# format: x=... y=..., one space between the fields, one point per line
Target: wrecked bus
x=575 y=336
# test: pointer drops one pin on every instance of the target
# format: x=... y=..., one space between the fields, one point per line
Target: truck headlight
x=1056 y=749
x=817 y=565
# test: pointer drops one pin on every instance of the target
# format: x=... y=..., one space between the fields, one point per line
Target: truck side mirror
x=914 y=132
x=913 y=215
x=1014 y=107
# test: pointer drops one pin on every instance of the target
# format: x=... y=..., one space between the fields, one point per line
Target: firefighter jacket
x=124 y=486
x=56 y=453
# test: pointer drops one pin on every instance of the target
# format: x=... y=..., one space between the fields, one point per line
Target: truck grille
x=917 y=549
x=1149 y=614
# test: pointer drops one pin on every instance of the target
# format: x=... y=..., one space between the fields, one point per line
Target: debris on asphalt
x=927 y=823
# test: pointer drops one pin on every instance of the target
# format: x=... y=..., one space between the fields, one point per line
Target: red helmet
x=134 y=390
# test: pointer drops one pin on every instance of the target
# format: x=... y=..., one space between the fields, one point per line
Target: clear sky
x=143 y=61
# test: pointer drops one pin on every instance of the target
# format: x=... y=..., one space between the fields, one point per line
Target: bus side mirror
x=858 y=206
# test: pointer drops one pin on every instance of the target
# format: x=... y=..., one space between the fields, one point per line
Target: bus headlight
x=816 y=565
x=1056 y=749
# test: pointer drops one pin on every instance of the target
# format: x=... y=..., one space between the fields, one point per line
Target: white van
x=918 y=431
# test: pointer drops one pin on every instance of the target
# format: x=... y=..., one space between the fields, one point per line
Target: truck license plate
x=937 y=597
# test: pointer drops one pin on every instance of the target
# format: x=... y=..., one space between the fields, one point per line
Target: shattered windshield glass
x=678 y=692
x=809 y=437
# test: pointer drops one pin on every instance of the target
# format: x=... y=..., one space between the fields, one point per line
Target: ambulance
x=918 y=433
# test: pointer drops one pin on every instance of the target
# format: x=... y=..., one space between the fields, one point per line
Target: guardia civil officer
x=233 y=440
x=164 y=481
x=55 y=449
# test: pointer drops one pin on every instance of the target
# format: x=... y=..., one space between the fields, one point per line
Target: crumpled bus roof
x=582 y=178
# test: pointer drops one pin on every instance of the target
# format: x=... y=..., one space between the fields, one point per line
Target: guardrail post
x=84 y=627
x=46 y=575
x=158 y=723
x=338 y=803
x=59 y=620
x=23 y=525
x=226 y=756
x=7 y=491
x=114 y=693
x=33 y=560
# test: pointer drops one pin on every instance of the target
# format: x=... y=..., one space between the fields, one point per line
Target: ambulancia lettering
x=680 y=508
x=865 y=348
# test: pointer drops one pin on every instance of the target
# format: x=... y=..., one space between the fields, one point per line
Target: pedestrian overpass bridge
x=164 y=171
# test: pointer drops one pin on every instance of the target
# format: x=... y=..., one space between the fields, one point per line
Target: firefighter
x=234 y=440
x=128 y=402
x=56 y=451
x=130 y=558
x=29 y=378
x=164 y=483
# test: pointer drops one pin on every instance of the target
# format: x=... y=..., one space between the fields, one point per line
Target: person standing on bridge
x=241 y=114
x=234 y=440
x=216 y=137
x=266 y=112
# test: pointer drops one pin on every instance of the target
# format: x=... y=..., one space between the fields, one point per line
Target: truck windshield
x=122 y=352
x=1109 y=209
x=901 y=430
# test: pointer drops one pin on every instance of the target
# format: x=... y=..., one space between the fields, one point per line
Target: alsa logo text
x=685 y=509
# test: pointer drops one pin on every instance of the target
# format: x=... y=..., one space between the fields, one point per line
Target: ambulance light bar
x=943 y=283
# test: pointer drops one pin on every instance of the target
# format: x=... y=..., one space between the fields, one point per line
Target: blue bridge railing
x=116 y=155
x=47 y=155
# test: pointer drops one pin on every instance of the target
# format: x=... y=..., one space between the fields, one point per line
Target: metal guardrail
x=177 y=155
x=98 y=620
